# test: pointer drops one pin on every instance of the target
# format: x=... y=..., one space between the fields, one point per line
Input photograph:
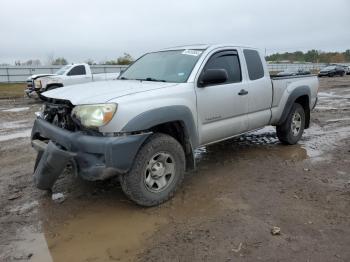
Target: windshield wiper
x=152 y=79
x=144 y=79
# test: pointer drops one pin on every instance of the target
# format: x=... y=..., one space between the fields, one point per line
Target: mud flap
x=50 y=165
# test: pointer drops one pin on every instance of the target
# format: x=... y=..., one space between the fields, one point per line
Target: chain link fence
x=18 y=74
x=313 y=67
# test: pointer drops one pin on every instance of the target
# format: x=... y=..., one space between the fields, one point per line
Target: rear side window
x=77 y=71
x=228 y=61
x=254 y=64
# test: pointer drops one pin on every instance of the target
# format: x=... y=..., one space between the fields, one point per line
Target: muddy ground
x=224 y=212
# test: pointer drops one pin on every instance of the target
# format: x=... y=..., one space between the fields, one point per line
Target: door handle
x=243 y=92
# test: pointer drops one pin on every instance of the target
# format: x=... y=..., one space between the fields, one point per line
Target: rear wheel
x=292 y=129
x=157 y=172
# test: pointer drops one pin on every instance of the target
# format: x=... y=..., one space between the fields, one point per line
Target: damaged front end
x=52 y=158
x=60 y=139
x=30 y=90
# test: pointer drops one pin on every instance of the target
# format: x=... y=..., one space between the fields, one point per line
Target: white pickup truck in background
x=68 y=75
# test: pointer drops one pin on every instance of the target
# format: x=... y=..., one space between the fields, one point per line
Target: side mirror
x=212 y=77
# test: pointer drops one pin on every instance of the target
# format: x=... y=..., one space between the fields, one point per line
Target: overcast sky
x=105 y=29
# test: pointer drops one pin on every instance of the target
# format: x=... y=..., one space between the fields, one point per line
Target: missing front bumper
x=96 y=157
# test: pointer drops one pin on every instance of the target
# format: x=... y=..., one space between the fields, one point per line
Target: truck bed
x=280 y=84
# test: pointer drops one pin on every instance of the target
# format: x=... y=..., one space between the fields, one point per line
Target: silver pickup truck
x=145 y=126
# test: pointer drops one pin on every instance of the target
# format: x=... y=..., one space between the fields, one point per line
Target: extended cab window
x=77 y=71
x=254 y=64
x=229 y=61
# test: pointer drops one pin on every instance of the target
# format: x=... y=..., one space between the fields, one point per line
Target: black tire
x=134 y=183
x=331 y=75
x=285 y=131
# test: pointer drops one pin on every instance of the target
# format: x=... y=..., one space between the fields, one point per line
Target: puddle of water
x=331 y=95
x=317 y=141
x=262 y=142
x=6 y=137
x=330 y=101
x=324 y=94
x=338 y=119
x=326 y=108
x=16 y=109
x=102 y=233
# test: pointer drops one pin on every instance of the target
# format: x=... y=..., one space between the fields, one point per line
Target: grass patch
x=12 y=90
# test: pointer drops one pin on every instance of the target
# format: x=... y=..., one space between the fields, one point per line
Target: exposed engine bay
x=59 y=114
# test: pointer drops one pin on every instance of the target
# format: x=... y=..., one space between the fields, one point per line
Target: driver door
x=222 y=108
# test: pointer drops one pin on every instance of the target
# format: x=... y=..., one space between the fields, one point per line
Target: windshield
x=165 y=66
x=63 y=70
x=329 y=68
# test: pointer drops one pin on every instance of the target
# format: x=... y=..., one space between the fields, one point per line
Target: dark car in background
x=331 y=71
x=294 y=72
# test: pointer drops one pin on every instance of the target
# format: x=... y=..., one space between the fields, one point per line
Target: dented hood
x=103 y=91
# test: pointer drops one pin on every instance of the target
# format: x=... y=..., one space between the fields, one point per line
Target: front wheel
x=293 y=127
x=158 y=170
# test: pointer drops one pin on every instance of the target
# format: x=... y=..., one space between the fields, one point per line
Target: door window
x=229 y=61
x=77 y=71
x=254 y=64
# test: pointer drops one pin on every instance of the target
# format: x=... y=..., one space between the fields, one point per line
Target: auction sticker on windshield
x=192 y=52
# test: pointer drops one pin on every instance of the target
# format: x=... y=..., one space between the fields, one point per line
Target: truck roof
x=204 y=46
x=194 y=46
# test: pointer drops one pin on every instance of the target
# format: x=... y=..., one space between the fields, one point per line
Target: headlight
x=37 y=84
x=94 y=115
